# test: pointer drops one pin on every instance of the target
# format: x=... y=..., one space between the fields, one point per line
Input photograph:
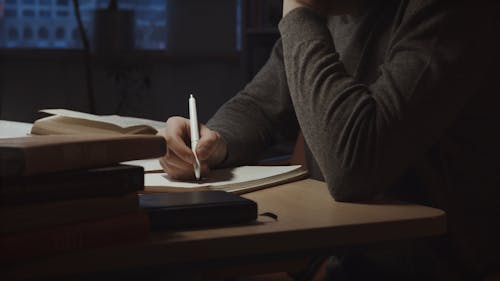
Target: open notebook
x=237 y=180
x=65 y=121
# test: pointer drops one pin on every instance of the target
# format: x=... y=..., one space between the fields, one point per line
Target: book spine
x=11 y=162
x=58 y=187
x=120 y=229
x=29 y=217
x=87 y=154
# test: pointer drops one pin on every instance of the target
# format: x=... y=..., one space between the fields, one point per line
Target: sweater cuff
x=302 y=25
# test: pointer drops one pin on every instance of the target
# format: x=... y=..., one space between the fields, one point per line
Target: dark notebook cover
x=78 y=184
x=197 y=209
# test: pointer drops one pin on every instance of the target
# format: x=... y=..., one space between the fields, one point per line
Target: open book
x=70 y=122
x=237 y=180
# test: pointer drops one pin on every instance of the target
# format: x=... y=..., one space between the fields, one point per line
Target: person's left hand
x=289 y=5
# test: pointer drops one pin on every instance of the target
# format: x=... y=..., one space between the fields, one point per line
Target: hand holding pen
x=179 y=160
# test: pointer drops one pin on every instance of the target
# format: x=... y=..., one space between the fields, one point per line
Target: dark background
x=201 y=58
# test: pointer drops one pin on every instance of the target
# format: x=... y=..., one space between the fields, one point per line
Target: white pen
x=195 y=134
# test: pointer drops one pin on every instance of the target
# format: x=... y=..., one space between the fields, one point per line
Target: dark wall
x=151 y=88
x=201 y=60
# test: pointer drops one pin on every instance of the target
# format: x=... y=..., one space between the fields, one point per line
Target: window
x=75 y=35
x=62 y=14
x=28 y=33
x=28 y=14
x=13 y=34
x=44 y=14
x=60 y=33
x=10 y=13
x=62 y=2
x=43 y=33
x=53 y=23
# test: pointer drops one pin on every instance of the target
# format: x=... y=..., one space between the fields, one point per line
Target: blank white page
x=221 y=177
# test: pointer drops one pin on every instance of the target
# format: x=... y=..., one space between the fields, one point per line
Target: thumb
x=207 y=143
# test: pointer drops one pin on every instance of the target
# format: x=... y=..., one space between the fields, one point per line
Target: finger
x=176 y=134
x=171 y=170
x=163 y=164
x=176 y=172
x=174 y=161
x=178 y=169
x=163 y=160
x=179 y=174
x=186 y=174
x=207 y=144
x=161 y=131
x=205 y=170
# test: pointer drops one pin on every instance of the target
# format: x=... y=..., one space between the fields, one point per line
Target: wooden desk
x=309 y=221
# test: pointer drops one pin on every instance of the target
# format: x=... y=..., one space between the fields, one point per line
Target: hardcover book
x=44 y=154
x=19 y=218
x=116 y=180
x=74 y=236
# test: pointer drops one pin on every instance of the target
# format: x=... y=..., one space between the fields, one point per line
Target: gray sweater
x=400 y=99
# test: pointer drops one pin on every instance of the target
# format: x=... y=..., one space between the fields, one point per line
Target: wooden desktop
x=309 y=222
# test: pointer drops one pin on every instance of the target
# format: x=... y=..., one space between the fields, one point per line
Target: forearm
x=334 y=112
x=364 y=136
x=250 y=120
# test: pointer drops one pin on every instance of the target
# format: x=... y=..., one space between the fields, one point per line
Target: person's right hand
x=178 y=161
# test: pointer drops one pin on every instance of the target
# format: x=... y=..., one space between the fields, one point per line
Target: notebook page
x=13 y=129
x=221 y=177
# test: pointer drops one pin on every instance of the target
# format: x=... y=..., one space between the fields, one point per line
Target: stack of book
x=68 y=192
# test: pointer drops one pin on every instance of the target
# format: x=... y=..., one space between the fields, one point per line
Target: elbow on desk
x=353 y=186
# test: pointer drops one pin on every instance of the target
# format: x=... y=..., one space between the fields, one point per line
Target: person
x=396 y=98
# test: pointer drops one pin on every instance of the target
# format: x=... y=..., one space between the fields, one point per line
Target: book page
x=13 y=129
x=221 y=177
x=121 y=121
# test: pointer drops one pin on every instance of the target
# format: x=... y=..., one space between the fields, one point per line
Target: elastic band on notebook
x=270 y=215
